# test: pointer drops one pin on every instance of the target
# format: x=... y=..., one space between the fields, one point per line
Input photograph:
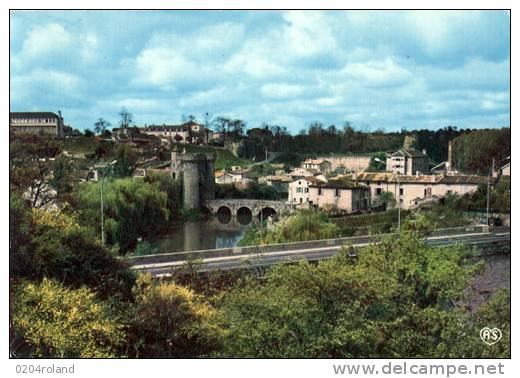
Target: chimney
x=449 y=167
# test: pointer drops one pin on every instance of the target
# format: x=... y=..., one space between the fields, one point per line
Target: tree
x=101 y=125
x=392 y=299
x=88 y=133
x=188 y=118
x=51 y=243
x=133 y=209
x=30 y=168
x=386 y=198
x=62 y=177
x=52 y=321
x=171 y=321
x=126 y=117
x=376 y=166
x=126 y=158
x=304 y=225
x=236 y=128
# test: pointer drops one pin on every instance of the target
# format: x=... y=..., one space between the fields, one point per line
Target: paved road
x=312 y=254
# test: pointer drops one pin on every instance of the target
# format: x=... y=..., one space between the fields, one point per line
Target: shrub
x=50 y=320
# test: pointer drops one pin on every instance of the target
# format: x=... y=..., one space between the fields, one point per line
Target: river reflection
x=222 y=231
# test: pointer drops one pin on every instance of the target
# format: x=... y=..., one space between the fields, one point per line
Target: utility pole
x=488 y=185
x=102 y=214
x=398 y=196
x=102 y=203
x=261 y=226
x=398 y=205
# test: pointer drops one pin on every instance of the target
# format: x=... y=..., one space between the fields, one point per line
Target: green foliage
x=145 y=248
x=62 y=178
x=260 y=170
x=387 y=198
x=88 y=133
x=376 y=166
x=171 y=321
x=369 y=224
x=224 y=159
x=499 y=198
x=50 y=320
x=393 y=300
x=126 y=158
x=473 y=152
x=53 y=245
x=133 y=208
x=301 y=226
x=253 y=191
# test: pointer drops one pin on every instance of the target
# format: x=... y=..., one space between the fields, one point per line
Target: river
x=215 y=232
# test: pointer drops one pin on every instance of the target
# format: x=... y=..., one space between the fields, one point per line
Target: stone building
x=37 y=123
x=407 y=161
x=187 y=133
x=340 y=194
x=418 y=188
x=299 y=189
x=354 y=163
x=197 y=171
x=321 y=165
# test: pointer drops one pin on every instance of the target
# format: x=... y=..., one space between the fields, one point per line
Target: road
x=313 y=254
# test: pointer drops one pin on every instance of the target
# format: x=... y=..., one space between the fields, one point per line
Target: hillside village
x=339 y=183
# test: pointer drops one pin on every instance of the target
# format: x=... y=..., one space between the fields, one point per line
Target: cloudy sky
x=388 y=70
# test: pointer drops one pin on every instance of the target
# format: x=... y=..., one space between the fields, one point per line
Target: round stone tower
x=198 y=176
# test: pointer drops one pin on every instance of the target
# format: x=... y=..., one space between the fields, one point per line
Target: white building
x=299 y=189
x=321 y=165
x=38 y=123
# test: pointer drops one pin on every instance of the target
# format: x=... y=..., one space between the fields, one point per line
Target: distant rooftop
x=409 y=152
x=33 y=114
x=340 y=183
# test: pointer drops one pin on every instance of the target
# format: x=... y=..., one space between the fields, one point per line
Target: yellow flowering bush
x=50 y=320
x=55 y=219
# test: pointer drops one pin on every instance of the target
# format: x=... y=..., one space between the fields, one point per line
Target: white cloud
x=388 y=69
x=46 y=40
x=44 y=82
x=281 y=90
x=377 y=73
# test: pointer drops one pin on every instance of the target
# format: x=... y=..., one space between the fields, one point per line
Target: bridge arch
x=244 y=215
x=224 y=214
x=266 y=212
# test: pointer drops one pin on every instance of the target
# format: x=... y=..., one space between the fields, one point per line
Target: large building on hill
x=187 y=133
x=407 y=161
x=37 y=123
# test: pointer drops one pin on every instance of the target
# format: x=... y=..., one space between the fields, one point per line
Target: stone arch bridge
x=254 y=206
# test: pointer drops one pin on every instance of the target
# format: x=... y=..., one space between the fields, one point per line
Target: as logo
x=490 y=336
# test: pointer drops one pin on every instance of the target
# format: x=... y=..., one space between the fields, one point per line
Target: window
x=319 y=191
x=301 y=199
x=378 y=191
x=401 y=191
x=338 y=192
x=306 y=190
x=298 y=190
